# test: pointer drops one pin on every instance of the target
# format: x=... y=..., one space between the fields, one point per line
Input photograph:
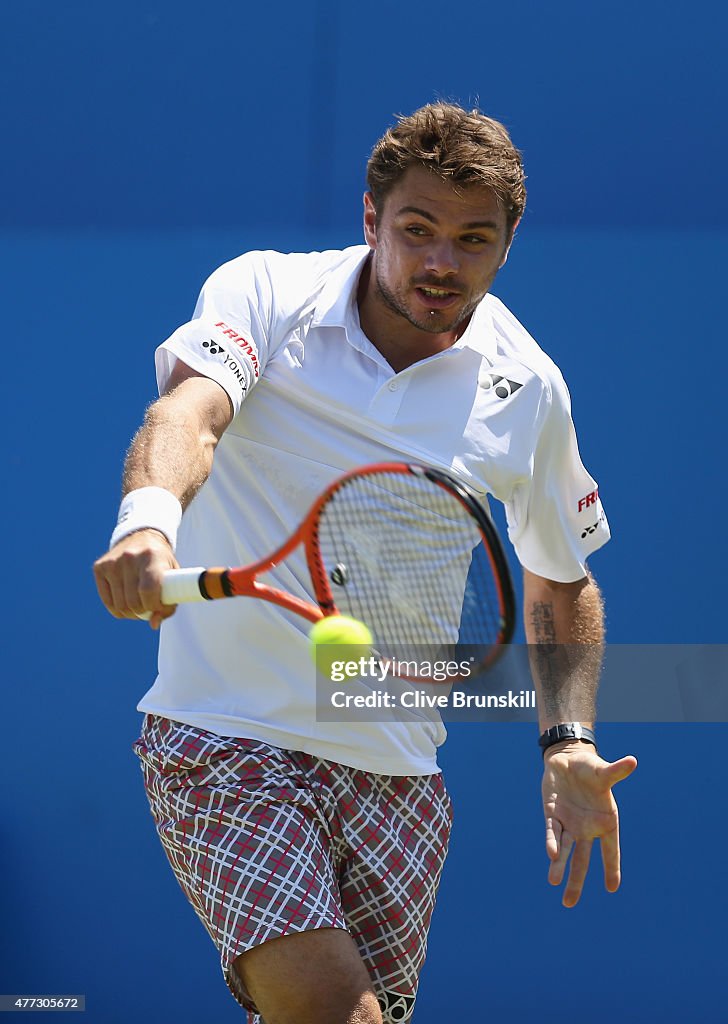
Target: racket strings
x=408 y=559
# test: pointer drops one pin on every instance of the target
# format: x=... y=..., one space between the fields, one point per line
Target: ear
x=370 y=221
x=509 y=243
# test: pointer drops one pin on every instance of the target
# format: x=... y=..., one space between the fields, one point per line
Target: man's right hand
x=129 y=577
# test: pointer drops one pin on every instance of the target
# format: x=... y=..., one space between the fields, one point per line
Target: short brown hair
x=460 y=146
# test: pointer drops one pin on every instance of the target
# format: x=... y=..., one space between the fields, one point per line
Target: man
x=312 y=851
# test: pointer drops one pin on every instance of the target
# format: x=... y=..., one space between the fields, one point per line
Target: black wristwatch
x=566 y=731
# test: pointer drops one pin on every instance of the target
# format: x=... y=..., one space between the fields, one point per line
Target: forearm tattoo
x=567 y=673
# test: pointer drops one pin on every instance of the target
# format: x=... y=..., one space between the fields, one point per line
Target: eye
x=475 y=240
x=416 y=229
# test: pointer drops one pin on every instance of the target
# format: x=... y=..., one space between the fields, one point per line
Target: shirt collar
x=480 y=334
x=337 y=294
x=335 y=306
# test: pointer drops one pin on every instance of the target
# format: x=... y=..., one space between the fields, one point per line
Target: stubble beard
x=432 y=323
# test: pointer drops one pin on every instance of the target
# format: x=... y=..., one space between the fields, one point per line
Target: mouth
x=436 y=298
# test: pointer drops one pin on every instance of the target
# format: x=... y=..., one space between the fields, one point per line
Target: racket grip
x=182 y=586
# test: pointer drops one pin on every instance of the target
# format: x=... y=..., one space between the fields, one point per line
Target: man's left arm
x=565 y=633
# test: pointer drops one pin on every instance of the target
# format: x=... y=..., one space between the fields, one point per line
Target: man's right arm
x=173 y=450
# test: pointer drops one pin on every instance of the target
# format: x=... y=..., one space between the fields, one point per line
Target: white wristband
x=148 y=508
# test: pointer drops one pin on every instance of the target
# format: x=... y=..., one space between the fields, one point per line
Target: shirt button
x=393 y=385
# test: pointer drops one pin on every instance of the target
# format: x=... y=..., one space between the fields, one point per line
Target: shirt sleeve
x=555 y=517
x=228 y=338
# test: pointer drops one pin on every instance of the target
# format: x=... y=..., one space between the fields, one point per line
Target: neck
x=401 y=343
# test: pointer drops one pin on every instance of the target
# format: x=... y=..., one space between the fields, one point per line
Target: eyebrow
x=433 y=220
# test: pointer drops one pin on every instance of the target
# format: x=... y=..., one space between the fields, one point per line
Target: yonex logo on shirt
x=593 y=527
x=238 y=371
x=504 y=388
x=243 y=343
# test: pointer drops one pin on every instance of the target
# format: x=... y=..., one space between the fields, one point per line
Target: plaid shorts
x=266 y=842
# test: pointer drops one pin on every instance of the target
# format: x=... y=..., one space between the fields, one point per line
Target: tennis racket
x=406 y=549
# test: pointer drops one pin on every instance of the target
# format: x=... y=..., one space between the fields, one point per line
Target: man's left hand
x=579 y=807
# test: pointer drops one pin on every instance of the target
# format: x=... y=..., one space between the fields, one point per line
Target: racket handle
x=178 y=587
x=181 y=586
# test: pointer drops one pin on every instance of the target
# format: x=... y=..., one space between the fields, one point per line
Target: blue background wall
x=143 y=145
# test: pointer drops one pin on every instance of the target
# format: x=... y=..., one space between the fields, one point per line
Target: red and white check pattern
x=267 y=842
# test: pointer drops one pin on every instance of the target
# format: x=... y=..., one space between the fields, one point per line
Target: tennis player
x=312 y=851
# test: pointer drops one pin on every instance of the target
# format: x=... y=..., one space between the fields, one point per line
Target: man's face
x=436 y=250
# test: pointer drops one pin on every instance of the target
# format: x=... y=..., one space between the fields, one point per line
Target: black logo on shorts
x=394 y=1006
x=503 y=387
x=213 y=346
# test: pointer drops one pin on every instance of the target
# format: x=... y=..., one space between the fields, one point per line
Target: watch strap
x=566 y=731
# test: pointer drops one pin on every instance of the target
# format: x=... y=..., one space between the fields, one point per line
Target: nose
x=442 y=259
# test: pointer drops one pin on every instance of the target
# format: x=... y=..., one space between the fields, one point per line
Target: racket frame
x=215 y=583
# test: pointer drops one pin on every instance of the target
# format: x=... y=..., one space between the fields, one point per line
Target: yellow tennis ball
x=337 y=638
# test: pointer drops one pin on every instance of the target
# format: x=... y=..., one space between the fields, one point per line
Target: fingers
x=157 y=618
x=560 y=855
x=104 y=589
x=129 y=577
x=577 y=872
x=553 y=838
x=616 y=771
x=132 y=575
x=580 y=856
x=580 y=808
x=118 y=605
x=611 y=860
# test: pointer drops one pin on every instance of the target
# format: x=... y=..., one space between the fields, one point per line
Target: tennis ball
x=338 y=638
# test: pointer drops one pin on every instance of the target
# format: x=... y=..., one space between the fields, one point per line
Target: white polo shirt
x=314 y=398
